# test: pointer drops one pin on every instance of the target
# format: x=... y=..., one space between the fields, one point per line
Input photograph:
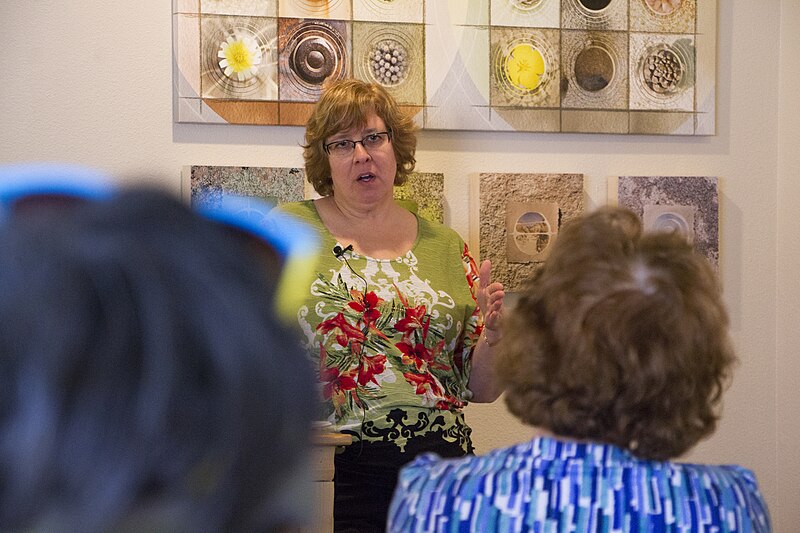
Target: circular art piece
x=663 y=7
x=387 y=12
x=388 y=62
x=523 y=68
x=662 y=71
x=672 y=222
x=239 y=61
x=594 y=68
x=531 y=233
x=315 y=52
x=391 y=56
x=240 y=55
x=603 y=15
x=662 y=75
x=594 y=5
x=317 y=8
x=526 y=5
x=313 y=59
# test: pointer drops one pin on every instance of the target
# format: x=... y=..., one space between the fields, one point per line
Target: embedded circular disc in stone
x=313 y=59
x=595 y=5
x=594 y=68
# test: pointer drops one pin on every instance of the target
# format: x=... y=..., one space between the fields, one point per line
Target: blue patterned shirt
x=546 y=485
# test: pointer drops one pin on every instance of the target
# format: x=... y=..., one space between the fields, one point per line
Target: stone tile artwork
x=275 y=185
x=423 y=192
x=609 y=66
x=686 y=204
x=519 y=216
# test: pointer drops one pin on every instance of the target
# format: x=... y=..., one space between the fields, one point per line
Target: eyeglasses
x=346 y=147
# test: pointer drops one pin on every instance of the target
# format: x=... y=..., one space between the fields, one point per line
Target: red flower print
x=421 y=356
x=415 y=354
x=449 y=403
x=425 y=383
x=470 y=269
x=367 y=305
x=335 y=382
x=400 y=295
x=346 y=332
x=369 y=367
x=414 y=320
x=336 y=385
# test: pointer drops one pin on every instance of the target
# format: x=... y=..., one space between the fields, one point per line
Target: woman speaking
x=400 y=319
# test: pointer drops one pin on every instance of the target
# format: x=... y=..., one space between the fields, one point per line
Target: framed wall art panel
x=688 y=205
x=515 y=219
x=604 y=66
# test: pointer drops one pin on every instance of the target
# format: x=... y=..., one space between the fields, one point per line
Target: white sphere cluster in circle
x=388 y=62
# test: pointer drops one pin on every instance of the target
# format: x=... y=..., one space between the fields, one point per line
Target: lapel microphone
x=338 y=251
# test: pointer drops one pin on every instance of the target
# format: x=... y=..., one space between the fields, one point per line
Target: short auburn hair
x=346 y=104
x=622 y=338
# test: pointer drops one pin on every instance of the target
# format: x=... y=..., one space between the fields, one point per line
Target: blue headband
x=285 y=234
x=22 y=180
x=294 y=241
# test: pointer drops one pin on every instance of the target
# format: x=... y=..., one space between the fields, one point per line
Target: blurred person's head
x=145 y=382
x=348 y=104
x=621 y=338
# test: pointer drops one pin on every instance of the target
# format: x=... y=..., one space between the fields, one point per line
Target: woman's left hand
x=483 y=386
x=490 y=300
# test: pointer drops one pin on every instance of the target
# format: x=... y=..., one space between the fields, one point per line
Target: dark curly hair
x=347 y=104
x=621 y=338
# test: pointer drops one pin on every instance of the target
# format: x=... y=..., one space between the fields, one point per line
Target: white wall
x=90 y=82
x=788 y=297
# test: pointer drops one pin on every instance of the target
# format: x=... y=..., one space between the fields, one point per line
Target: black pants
x=366 y=474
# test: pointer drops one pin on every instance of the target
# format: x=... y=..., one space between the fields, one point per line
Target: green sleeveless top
x=392 y=339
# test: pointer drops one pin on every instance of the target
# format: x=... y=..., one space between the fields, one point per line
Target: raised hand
x=490 y=300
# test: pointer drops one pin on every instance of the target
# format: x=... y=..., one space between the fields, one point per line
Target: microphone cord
x=339 y=253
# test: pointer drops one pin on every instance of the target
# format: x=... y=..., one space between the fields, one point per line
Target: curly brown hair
x=622 y=337
x=346 y=104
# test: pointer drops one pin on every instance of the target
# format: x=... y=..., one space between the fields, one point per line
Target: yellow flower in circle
x=241 y=57
x=524 y=67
